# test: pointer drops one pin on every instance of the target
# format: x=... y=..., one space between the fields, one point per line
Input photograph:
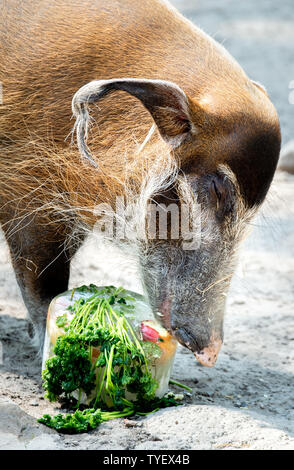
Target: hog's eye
x=221 y=195
x=217 y=191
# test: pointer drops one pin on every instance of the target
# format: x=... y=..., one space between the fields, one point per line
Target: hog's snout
x=189 y=300
x=206 y=355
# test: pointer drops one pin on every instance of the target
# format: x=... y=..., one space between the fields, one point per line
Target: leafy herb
x=79 y=421
x=100 y=322
x=61 y=321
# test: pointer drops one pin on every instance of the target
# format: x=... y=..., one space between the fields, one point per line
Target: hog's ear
x=167 y=103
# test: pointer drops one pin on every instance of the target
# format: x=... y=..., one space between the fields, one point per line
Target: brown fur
x=48 y=50
x=45 y=59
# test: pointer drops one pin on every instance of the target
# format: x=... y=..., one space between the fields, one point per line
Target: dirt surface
x=247 y=400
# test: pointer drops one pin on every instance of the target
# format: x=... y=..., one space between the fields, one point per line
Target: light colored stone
x=42 y=442
x=9 y=441
x=19 y=430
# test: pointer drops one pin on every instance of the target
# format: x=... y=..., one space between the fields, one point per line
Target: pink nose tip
x=208 y=356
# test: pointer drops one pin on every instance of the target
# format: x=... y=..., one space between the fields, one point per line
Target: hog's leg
x=41 y=264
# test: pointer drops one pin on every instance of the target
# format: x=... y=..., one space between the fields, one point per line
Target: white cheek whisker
x=216 y=282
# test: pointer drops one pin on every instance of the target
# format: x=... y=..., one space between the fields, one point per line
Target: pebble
x=131 y=423
x=240 y=404
x=239 y=302
x=179 y=396
x=206 y=394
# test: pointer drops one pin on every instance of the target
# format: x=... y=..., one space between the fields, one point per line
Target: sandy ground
x=247 y=400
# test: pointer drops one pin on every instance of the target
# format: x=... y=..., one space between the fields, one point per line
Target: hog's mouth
x=186 y=339
x=206 y=355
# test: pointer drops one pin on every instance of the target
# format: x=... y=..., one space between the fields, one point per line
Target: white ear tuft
x=167 y=103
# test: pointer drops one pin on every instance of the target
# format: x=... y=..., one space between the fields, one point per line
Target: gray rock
x=42 y=442
x=286 y=162
x=9 y=441
x=18 y=430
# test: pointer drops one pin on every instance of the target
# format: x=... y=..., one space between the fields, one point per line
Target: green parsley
x=100 y=320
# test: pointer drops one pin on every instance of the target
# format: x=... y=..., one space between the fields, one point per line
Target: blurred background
x=260 y=35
